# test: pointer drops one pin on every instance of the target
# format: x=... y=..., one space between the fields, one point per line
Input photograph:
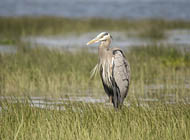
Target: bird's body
x=114 y=69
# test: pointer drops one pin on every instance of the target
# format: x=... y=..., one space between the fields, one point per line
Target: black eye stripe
x=106 y=34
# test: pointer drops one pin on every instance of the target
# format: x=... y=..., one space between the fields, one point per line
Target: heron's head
x=104 y=36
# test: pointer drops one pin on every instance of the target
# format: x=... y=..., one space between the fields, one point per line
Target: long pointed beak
x=92 y=41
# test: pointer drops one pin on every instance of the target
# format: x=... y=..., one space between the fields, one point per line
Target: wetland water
x=58 y=103
x=178 y=38
x=134 y=9
x=152 y=94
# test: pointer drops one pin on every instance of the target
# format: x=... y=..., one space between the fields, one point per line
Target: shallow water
x=72 y=42
x=7 y=49
x=152 y=94
x=51 y=103
x=178 y=38
x=168 y=9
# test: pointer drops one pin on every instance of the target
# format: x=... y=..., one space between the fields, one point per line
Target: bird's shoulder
x=115 y=49
x=117 y=52
x=121 y=65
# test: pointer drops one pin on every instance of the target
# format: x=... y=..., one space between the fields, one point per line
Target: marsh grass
x=95 y=121
x=12 y=29
x=43 y=72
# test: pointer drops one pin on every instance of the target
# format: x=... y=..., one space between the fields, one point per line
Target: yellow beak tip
x=91 y=41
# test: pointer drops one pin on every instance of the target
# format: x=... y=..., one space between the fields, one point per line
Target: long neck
x=103 y=48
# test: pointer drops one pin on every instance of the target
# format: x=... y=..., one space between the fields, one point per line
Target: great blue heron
x=114 y=69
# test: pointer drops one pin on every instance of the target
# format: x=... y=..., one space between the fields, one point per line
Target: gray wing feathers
x=121 y=72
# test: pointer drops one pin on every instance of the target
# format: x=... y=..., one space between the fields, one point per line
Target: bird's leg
x=110 y=99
